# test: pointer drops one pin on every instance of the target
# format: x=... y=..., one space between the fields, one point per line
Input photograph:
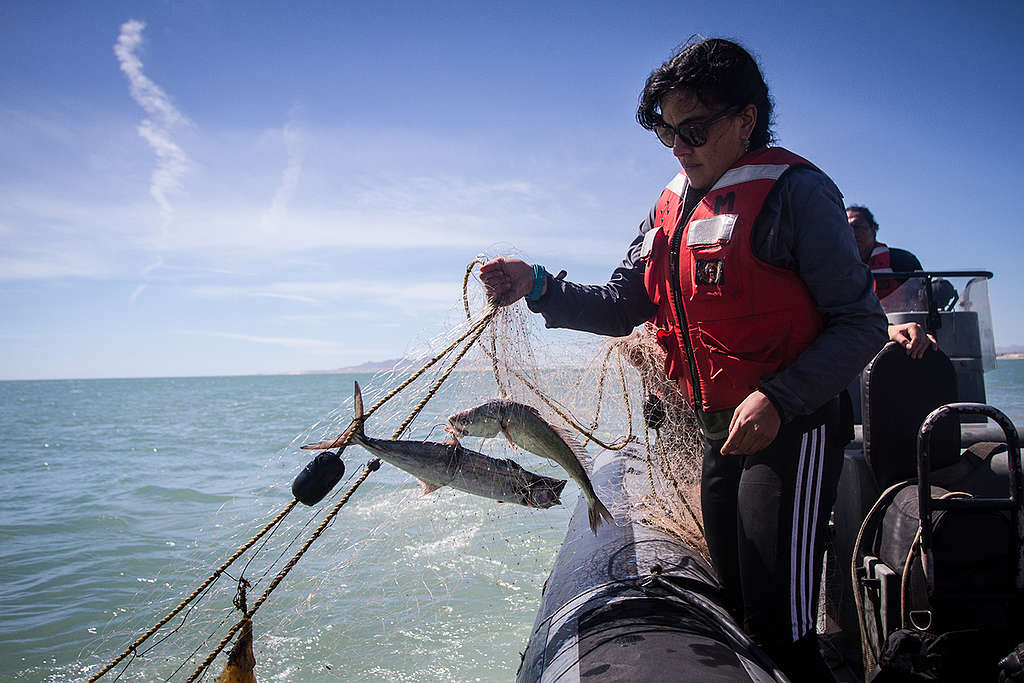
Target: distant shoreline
x=369 y=366
x=377 y=366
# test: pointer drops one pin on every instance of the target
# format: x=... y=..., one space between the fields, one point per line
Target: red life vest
x=879 y=262
x=742 y=317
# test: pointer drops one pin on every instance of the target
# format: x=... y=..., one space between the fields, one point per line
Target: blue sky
x=213 y=188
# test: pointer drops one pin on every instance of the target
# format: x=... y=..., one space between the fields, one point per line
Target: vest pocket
x=713 y=273
x=741 y=351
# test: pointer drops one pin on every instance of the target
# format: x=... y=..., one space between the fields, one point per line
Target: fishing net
x=397 y=584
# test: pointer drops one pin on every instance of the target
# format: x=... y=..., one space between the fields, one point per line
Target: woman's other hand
x=755 y=424
x=507 y=280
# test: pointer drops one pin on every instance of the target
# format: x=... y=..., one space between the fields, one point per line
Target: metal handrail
x=928 y=505
x=934 y=273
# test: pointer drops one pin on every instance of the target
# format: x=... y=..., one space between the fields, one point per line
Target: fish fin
x=512 y=463
x=355 y=429
x=577 y=449
x=557 y=488
x=529 y=408
x=508 y=437
x=598 y=513
x=319 y=445
x=339 y=442
x=428 y=488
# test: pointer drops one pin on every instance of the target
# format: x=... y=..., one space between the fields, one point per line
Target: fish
x=523 y=426
x=449 y=464
x=241 y=661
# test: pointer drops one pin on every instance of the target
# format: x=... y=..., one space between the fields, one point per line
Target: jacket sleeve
x=903 y=261
x=804 y=227
x=613 y=309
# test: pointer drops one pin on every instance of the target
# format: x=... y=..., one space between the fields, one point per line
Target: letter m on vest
x=724 y=203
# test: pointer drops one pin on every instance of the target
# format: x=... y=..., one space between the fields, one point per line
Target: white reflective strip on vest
x=714 y=230
x=745 y=174
x=648 y=244
x=677 y=185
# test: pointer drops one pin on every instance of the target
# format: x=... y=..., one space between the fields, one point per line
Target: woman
x=748 y=269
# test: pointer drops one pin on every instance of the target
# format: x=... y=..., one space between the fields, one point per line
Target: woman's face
x=704 y=165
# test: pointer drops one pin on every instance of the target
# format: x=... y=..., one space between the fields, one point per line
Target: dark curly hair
x=720 y=73
x=866 y=212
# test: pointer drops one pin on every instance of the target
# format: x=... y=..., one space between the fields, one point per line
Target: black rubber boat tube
x=632 y=603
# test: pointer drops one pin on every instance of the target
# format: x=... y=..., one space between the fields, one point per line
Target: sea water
x=120 y=495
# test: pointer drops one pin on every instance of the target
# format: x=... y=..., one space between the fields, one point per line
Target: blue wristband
x=539 y=277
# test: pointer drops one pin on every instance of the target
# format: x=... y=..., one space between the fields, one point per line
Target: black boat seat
x=897 y=393
x=968 y=542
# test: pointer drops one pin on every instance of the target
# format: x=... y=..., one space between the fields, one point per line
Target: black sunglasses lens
x=693 y=134
x=665 y=134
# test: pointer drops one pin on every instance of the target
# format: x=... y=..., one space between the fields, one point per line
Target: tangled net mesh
x=575 y=380
x=592 y=375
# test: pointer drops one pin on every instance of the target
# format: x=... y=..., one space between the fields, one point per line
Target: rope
x=475 y=330
x=494 y=337
x=239 y=601
x=437 y=385
x=209 y=580
x=675 y=484
x=371 y=466
x=650 y=472
x=600 y=391
x=472 y=334
x=345 y=438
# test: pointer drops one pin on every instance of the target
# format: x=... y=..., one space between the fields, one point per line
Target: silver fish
x=449 y=464
x=523 y=426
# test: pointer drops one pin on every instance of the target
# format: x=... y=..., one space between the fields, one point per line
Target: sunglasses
x=692 y=133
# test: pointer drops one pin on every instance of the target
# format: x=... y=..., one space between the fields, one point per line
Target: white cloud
x=315 y=345
x=44 y=265
x=295 y=144
x=172 y=162
x=392 y=293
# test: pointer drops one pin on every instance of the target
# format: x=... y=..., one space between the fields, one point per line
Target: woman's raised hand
x=506 y=280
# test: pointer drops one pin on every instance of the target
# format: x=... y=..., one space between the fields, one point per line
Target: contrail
x=295 y=145
x=172 y=162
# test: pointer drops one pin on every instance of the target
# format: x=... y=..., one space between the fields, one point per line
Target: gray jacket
x=802 y=227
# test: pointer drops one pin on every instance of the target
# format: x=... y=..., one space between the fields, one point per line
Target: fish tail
x=598 y=513
x=358 y=418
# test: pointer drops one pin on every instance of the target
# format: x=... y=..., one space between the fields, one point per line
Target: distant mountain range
x=1014 y=351
x=369 y=366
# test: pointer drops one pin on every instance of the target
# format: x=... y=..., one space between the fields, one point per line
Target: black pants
x=766 y=521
